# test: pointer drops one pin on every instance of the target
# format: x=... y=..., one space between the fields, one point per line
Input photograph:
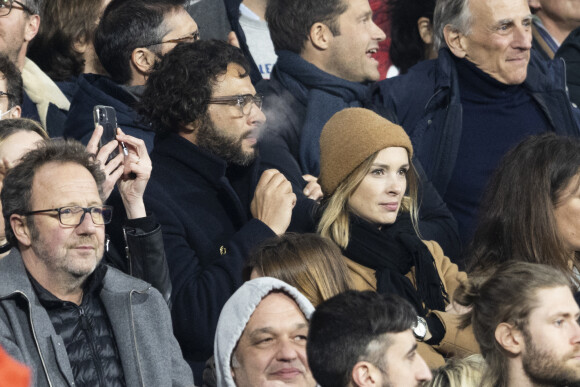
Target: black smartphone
x=107 y=118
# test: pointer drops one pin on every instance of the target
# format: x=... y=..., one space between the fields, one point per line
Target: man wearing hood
x=261 y=336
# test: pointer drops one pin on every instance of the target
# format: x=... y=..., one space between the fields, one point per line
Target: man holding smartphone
x=205 y=188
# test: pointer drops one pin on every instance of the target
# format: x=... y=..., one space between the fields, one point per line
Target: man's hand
x=273 y=201
x=136 y=173
x=111 y=169
x=131 y=172
x=312 y=190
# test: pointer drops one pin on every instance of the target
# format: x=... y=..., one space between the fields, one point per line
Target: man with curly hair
x=205 y=188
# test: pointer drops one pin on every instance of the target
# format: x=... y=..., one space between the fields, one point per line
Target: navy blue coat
x=427 y=103
x=101 y=90
x=203 y=206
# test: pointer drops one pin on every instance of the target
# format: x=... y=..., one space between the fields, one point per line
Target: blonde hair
x=467 y=372
x=334 y=222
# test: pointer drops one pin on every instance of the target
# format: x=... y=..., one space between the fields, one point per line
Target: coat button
x=223 y=250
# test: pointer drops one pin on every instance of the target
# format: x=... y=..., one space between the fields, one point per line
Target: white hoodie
x=237 y=312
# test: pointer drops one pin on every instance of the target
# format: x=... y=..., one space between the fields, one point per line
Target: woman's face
x=378 y=197
x=567 y=214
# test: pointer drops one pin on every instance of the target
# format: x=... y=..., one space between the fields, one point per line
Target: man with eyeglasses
x=130 y=38
x=10 y=89
x=72 y=320
x=205 y=188
x=42 y=99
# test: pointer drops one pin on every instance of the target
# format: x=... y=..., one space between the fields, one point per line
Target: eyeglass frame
x=20 y=6
x=195 y=35
x=237 y=100
x=85 y=211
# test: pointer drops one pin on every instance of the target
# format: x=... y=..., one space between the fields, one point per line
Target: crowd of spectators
x=270 y=206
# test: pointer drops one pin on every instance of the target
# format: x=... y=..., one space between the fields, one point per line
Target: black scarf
x=392 y=251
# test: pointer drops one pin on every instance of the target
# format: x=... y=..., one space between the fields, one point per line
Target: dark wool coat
x=427 y=103
x=203 y=206
x=100 y=90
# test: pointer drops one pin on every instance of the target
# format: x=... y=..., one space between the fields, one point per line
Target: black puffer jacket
x=87 y=334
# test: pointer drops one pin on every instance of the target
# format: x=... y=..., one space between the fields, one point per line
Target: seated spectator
x=411 y=32
x=466 y=372
x=17 y=136
x=145 y=256
x=63 y=47
x=312 y=264
x=525 y=320
x=130 y=38
x=365 y=339
x=481 y=96
x=370 y=211
x=570 y=52
x=65 y=315
x=205 y=189
x=261 y=336
x=325 y=63
x=10 y=89
x=553 y=22
x=42 y=99
x=532 y=216
x=248 y=21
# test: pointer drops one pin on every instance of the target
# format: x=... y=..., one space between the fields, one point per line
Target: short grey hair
x=455 y=13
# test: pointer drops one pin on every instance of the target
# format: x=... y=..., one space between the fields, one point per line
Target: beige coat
x=456 y=342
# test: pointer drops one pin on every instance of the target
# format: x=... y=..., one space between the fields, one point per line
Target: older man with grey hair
x=484 y=93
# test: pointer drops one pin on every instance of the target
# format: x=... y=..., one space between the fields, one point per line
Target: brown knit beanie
x=349 y=138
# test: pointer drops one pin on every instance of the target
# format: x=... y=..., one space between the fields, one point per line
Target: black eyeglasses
x=243 y=102
x=74 y=215
x=7 y=5
x=8 y=95
x=193 y=37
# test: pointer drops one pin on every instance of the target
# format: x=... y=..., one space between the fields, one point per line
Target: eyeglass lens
x=73 y=216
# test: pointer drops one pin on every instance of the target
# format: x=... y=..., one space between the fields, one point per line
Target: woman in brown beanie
x=370 y=210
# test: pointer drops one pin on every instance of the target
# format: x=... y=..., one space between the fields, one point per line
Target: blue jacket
x=100 y=90
x=203 y=206
x=427 y=103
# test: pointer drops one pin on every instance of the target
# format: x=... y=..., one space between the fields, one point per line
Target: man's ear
x=143 y=60
x=31 y=28
x=80 y=45
x=425 y=29
x=510 y=338
x=365 y=374
x=455 y=41
x=16 y=112
x=20 y=229
x=320 y=36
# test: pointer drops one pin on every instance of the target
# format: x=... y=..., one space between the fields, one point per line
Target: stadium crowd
x=290 y=192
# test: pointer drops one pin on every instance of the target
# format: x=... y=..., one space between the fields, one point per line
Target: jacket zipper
x=134 y=336
x=127 y=252
x=33 y=332
x=87 y=330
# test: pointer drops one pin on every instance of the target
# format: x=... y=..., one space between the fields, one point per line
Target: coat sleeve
x=146 y=254
x=456 y=342
x=201 y=285
x=435 y=220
